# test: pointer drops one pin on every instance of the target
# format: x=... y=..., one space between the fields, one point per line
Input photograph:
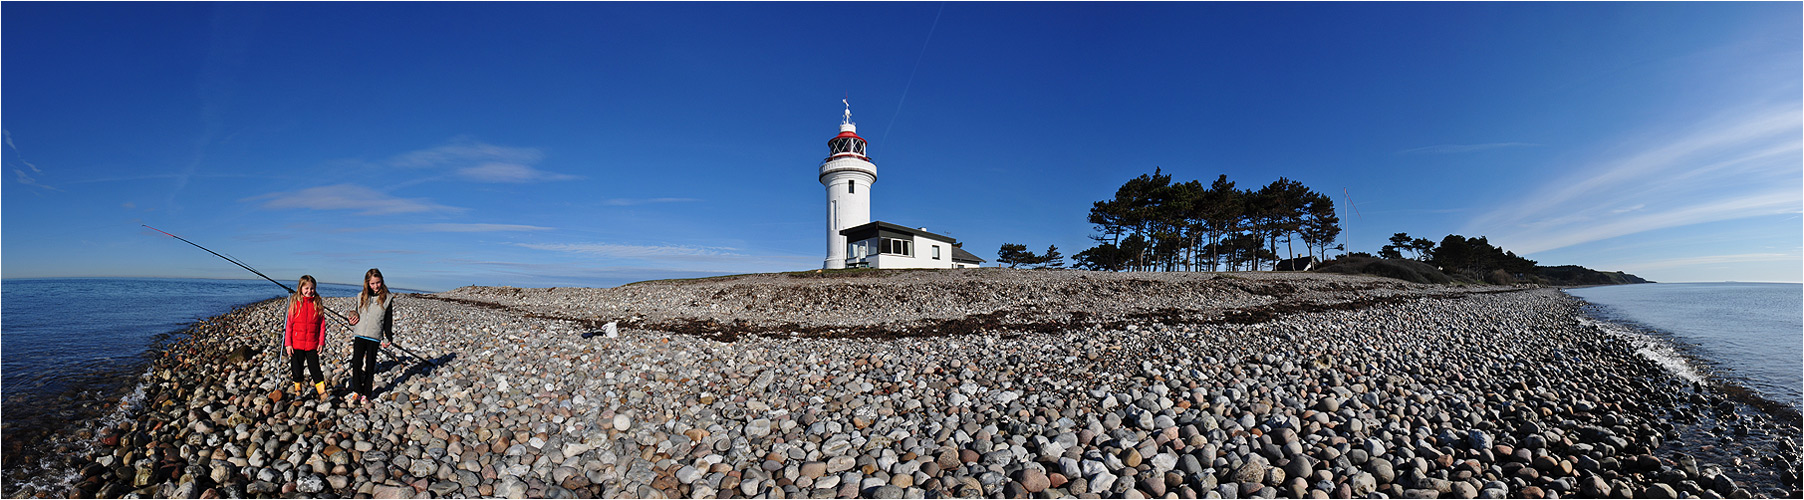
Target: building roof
x=1304 y=263
x=874 y=227
x=960 y=255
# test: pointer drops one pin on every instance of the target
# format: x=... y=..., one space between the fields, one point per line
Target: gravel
x=956 y=383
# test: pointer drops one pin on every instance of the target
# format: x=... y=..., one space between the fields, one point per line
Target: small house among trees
x=1304 y=263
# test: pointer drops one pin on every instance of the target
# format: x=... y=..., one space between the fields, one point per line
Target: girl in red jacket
x=305 y=334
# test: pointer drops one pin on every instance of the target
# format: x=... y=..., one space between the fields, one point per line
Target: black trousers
x=308 y=359
x=363 y=365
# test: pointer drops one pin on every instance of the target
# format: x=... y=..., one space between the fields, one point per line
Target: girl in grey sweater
x=373 y=324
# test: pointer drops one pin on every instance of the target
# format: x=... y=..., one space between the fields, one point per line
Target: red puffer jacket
x=306 y=325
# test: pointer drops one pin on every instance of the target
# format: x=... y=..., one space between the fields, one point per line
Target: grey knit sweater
x=376 y=321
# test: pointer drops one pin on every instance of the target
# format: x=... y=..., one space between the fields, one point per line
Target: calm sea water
x=1747 y=334
x=71 y=349
x=60 y=333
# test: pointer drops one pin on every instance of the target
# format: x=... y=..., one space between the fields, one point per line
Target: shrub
x=1403 y=269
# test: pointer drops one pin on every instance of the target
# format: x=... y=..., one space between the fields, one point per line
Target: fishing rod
x=247 y=267
x=411 y=353
x=228 y=259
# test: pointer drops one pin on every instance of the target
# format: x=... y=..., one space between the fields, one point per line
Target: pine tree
x=1013 y=255
x=1051 y=259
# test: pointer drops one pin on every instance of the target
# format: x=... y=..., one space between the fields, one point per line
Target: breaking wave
x=1653 y=348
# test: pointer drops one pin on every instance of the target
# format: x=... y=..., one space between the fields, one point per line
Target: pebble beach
x=936 y=384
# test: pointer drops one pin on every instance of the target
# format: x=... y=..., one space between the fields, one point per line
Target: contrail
x=911 y=75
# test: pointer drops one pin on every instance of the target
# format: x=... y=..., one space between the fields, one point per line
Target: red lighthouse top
x=847 y=143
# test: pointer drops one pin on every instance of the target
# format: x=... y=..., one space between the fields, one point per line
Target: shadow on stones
x=414 y=366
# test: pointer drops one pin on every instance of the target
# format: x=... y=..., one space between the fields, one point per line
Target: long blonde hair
x=363 y=297
x=294 y=299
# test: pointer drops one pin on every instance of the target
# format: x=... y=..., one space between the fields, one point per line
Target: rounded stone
x=1034 y=481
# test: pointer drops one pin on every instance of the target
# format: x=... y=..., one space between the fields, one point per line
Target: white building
x=888 y=246
x=853 y=240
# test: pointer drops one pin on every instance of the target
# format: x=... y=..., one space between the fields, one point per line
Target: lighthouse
x=847 y=174
x=853 y=239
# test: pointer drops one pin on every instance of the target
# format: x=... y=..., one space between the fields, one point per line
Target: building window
x=850 y=188
x=896 y=247
x=936 y=252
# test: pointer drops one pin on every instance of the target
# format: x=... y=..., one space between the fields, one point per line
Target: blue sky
x=594 y=144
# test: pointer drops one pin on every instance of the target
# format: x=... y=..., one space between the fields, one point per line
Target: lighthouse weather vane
x=848 y=110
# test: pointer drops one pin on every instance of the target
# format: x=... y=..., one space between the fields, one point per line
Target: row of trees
x=1017 y=255
x=1420 y=248
x=1459 y=254
x=1458 y=258
x=1153 y=224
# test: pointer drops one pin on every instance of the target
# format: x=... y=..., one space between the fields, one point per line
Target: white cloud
x=466 y=153
x=509 y=172
x=1705 y=260
x=632 y=251
x=1566 y=232
x=1739 y=167
x=24 y=178
x=480 y=162
x=477 y=228
x=9 y=145
x=627 y=202
x=446 y=228
x=676 y=259
x=1464 y=148
x=541 y=272
x=460 y=272
x=364 y=200
x=28 y=180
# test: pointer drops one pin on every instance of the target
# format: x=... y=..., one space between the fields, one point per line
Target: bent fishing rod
x=247 y=267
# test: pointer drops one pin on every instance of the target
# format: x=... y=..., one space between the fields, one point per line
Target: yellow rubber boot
x=321 y=387
x=297 y=389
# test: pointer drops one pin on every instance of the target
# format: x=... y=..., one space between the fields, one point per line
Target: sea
x=72 y=349
x=1747 y=335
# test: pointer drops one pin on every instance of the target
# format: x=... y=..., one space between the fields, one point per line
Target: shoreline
x=1341 y=386
x=51 y=385
x=1733 y=389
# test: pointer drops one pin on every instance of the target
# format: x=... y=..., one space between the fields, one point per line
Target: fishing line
x=911 y=75
x=247 y=267
x=346 y=322
x=228 y=259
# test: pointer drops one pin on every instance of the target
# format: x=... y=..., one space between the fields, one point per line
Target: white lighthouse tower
x=847 y=174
